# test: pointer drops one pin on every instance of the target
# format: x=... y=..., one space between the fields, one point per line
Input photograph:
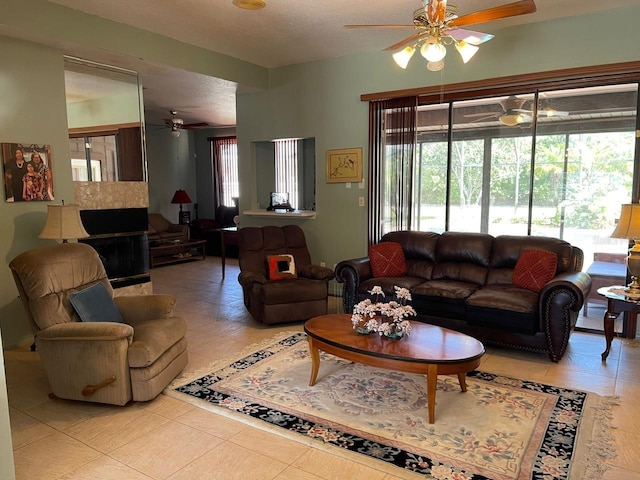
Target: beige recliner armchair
x=96 y=361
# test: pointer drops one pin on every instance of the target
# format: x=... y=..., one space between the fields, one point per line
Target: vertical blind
x=286 y=166
x=225 y=170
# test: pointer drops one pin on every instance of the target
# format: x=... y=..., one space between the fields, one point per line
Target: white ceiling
x=285 y=32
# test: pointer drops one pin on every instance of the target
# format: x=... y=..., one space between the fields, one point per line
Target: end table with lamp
x=621 y=298
x=181 y=196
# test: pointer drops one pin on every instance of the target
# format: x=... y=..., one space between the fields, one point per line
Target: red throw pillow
x=281 y=266
x=534 y=269
x=387 y=260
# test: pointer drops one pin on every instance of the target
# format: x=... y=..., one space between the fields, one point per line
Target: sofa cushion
x=281 y=266
x=95 y=304
x=387 y=260
x=535 y=268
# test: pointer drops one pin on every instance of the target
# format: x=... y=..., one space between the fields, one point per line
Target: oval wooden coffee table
x=429 y=350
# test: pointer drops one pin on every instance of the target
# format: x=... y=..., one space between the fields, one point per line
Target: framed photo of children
x=27 y=172
x=344 y=165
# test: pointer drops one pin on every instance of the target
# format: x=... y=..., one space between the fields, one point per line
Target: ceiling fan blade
x=193 y=126
x=482 y=114
x=486 y=117
x=406 y=41
x=521 y=7
x=379 y=26
x=436 y=11
x=469 y=36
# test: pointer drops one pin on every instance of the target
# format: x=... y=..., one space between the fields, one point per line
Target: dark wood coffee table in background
x=429 y=350
x=172 y=252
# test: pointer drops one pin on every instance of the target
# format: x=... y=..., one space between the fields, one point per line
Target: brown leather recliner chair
x=100 y=359
x=289 y=299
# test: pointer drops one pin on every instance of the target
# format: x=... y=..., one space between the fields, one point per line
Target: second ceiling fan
x=176 y=124
x=513 y=112
x=437 y=25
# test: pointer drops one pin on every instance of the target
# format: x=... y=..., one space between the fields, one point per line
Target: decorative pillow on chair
x=387 y=260
x=94 y=304
x=281 y=266
x=534 y=269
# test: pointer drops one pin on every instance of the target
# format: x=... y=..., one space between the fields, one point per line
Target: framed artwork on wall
x=344 y=165
x=27 y=172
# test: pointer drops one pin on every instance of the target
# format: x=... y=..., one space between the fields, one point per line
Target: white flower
x=396 y=311
x=377 y=290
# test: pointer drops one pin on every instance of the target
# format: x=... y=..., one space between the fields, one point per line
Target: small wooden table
x=618 y=302
x=228 y=236
x=429 y=350
x=172 y=252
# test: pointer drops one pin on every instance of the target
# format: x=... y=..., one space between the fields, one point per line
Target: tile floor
x=169 y=439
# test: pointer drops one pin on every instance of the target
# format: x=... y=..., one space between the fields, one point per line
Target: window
x=556 y=163
x=94 y=158
x=225 y=161
x=286 y=165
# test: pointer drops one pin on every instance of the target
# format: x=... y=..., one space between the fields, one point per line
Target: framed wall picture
x=27 y=172
x=344 y=165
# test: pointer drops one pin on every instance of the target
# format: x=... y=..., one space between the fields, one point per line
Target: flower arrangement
x=394 y=323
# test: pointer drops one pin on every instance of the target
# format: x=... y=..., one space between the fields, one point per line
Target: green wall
x=322 y=100
x=29 y=113
x=318 y=99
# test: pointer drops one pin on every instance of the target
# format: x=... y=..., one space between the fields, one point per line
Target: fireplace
x=119 y=236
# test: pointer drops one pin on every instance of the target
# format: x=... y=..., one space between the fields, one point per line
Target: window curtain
x=225 y=170
x=392 y=147
x=286 y=169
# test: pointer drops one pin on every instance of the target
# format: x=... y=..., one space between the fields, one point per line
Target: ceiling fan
x=437 y=24
x=176 y=124
x=513 y=113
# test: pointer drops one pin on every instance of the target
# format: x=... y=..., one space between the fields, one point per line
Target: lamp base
x=633 y=265
x=185 y=218
x=633 y=288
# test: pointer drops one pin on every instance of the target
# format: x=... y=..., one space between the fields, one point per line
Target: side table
x=618 y=302
x=228 y=236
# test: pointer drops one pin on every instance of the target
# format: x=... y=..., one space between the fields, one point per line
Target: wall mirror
x=106 y=120
x=286 y=165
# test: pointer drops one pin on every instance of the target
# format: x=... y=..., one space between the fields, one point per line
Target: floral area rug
x=501 y=428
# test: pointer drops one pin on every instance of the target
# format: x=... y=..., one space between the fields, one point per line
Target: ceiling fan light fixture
x=175 y=132
x=466 y=50
x=403 y=56
x=433 y=50
x=512 y=119
x=435 y=66
x=250 y=4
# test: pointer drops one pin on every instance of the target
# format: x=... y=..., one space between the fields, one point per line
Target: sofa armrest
x=559 y=303
x=140 y=308
x=179 y=228
x=316 y=272
x=247 y=278
x=87 y=331
x=352 y=273
x=579 y=283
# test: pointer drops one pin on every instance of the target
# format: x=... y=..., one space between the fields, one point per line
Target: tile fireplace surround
x=115 y=195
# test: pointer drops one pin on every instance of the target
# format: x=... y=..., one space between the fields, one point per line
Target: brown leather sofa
x=463 y=281
x=289 y=299
x=162 y=230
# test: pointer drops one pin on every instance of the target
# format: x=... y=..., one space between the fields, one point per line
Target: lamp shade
x=63 y=223
x=629 y=224
x=180 y=197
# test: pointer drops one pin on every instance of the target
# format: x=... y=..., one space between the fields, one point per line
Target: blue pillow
x=94 y=304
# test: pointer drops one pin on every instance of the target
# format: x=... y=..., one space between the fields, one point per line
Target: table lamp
x=629 y=227
x=181 y=197
x=63 y=222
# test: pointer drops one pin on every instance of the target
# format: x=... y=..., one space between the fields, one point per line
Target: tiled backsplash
x=103 y=195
